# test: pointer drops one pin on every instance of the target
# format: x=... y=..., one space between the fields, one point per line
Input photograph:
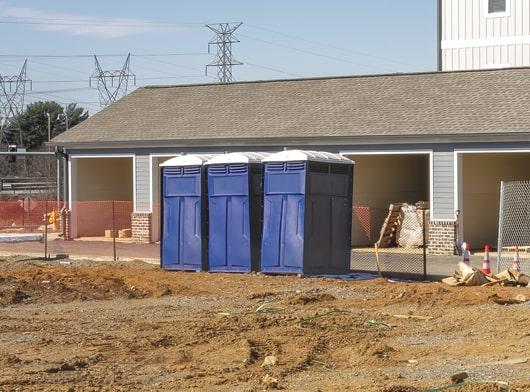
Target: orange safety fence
x=99 y=218
x=28 y=215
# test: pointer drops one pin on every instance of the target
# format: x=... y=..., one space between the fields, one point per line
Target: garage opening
x=480 y=176
x=381 y=180
x=99 y=185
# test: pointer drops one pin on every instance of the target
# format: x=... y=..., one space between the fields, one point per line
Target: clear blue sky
x=357 y=37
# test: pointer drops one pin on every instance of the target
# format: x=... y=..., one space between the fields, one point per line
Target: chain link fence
x=49 y=228
x=391 y=242
x=514 y=225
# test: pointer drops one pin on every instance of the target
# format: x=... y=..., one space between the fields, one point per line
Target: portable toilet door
x=235 y=211
x=183 y=213
x=307 y=213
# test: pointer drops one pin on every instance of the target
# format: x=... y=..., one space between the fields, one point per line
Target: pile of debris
x=404 y=226
x=467 y=275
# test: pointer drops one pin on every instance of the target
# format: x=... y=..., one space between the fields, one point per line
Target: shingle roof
x=449 y=103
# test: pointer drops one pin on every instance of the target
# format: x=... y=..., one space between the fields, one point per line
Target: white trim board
x=404 y=152
x=485 y=42
x=90 y=156
x=151 y=156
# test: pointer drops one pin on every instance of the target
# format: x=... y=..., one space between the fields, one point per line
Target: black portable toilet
x=307 y=213
x=184 y=224
x=235 y=183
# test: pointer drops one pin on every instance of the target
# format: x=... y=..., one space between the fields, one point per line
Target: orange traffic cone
x=486 y=261
x=516 y=262
x=467 y=254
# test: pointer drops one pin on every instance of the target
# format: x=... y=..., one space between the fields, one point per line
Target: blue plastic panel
x=182 y=221
x=283 y=234
x=228 y=185
x=229 y=247
x=283 y=183
x=182 y=186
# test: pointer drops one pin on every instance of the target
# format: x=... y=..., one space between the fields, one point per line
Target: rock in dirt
x=307 y=299
x=269 y=360
x=68 y=367
x=518 y=299
x=19 y=296
x=400 y=388
x=458 y=377
x=269 y=381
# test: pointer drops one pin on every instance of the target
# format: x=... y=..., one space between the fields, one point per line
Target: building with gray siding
x=448 y=138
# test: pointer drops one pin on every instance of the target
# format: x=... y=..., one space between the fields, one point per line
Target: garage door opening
x=99 y=184
x=480 y=176
x=381 y=180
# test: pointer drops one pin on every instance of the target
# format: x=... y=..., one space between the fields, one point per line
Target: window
x=495 y=6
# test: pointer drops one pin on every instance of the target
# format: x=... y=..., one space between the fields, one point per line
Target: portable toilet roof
x=188 y=160
x=301 y=155
x=238 y=157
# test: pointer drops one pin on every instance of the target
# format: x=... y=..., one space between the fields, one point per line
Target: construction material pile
x=467 y=275
x=404 y=226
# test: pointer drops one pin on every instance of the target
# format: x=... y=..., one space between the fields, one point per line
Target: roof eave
x=303 y=141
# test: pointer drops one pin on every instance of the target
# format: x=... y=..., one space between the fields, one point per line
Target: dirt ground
x=90 y=326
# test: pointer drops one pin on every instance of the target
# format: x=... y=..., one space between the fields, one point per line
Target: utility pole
x=49 y=126
x=224 y=59
x=112 y=85
x=12 y=94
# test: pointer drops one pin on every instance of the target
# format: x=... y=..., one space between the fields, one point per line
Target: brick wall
x=141 y=227
x=441 y=237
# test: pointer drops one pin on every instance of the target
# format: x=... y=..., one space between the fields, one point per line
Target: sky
x=168 y=40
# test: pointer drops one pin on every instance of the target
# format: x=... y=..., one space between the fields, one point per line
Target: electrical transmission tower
x=12 y=94
x=224 y=59
x=112 y=85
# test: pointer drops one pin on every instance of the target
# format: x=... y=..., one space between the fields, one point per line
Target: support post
x=46 y=229
x=424 y=213
x=113 y=231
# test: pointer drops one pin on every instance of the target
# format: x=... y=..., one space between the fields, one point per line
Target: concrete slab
x=20 y=237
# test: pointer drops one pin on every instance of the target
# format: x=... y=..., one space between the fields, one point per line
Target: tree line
x=29 y=129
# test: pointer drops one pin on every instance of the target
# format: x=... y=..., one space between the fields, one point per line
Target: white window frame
x=497 y=14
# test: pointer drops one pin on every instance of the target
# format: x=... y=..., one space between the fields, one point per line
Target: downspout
x=439 y=46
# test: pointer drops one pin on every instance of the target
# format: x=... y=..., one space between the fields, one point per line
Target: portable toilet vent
x=235 y=183
x=307 y=213
x=184 y=224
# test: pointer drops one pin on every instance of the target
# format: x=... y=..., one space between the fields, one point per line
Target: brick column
x=66 y=224
x=141 y=227
x=442 y=237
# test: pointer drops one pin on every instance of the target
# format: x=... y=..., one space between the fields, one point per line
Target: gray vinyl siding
x=143 y=185
x=443 y=185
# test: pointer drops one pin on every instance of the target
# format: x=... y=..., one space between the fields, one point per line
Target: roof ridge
x=337 y=77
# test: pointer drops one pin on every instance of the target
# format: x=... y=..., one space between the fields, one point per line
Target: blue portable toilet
x=184 y=224
x=307 y=213
x=235 y=210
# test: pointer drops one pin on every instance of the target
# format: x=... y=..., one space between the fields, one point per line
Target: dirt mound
x=45 y=283
x=197 y=331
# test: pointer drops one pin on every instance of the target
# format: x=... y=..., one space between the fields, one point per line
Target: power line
x=63 y=56
x=94 y=23
x=330 y=46
x=172 y=64
x=138 y=79
x=272 y=69
x=67 y=90
x=317 y=54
